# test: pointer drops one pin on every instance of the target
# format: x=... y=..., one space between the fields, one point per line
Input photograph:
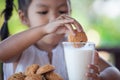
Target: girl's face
x=41 y=12
x=44 y=11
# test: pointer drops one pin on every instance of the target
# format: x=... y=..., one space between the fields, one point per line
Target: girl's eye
x=43 y=12
x=63 y=12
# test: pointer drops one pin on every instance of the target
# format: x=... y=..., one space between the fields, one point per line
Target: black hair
x=22 y=4
x=7 y=14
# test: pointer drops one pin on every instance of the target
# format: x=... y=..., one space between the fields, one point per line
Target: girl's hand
x=95 y=73
x=95 y=69
x=63 y=24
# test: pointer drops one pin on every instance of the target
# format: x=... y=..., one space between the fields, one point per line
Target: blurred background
x=100 y=20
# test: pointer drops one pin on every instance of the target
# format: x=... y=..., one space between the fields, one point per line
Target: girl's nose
x=53 y=16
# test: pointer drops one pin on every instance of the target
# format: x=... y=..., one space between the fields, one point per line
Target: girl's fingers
x=96 y=58
x=63 y=18
x=58 y=25
x=60 y=17
x=62 y=30
x=76 y=24
x=95 y=68
x=70 y=28
x=93 y=76
x=64 y=21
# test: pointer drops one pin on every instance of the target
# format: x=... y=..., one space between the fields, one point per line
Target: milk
x=77 y=61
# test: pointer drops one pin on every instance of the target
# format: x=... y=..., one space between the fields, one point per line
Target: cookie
x=31 y=69
x=17 y=76
x=33 y=77
x=53 y=76
x=79 y=37
x=45 y=69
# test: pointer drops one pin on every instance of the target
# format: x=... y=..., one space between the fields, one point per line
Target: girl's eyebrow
x=41 y=5
x=62 y=5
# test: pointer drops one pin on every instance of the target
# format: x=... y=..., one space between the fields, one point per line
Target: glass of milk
x=78 y=55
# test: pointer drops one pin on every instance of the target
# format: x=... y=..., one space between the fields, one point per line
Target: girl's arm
x=103 y=64
x=110 y=73
x=16 y=44
x=103 y=70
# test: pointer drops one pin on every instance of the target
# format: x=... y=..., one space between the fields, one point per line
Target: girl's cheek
x=38 y=23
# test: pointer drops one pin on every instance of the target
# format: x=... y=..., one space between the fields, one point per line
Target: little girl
x=41 y=43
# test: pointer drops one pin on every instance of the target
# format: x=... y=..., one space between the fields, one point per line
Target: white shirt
x=33 y=55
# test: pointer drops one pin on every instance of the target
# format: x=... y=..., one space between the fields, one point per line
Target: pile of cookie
x=35 y=72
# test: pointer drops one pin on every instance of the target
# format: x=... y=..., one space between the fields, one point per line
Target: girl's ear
x=23 y=18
